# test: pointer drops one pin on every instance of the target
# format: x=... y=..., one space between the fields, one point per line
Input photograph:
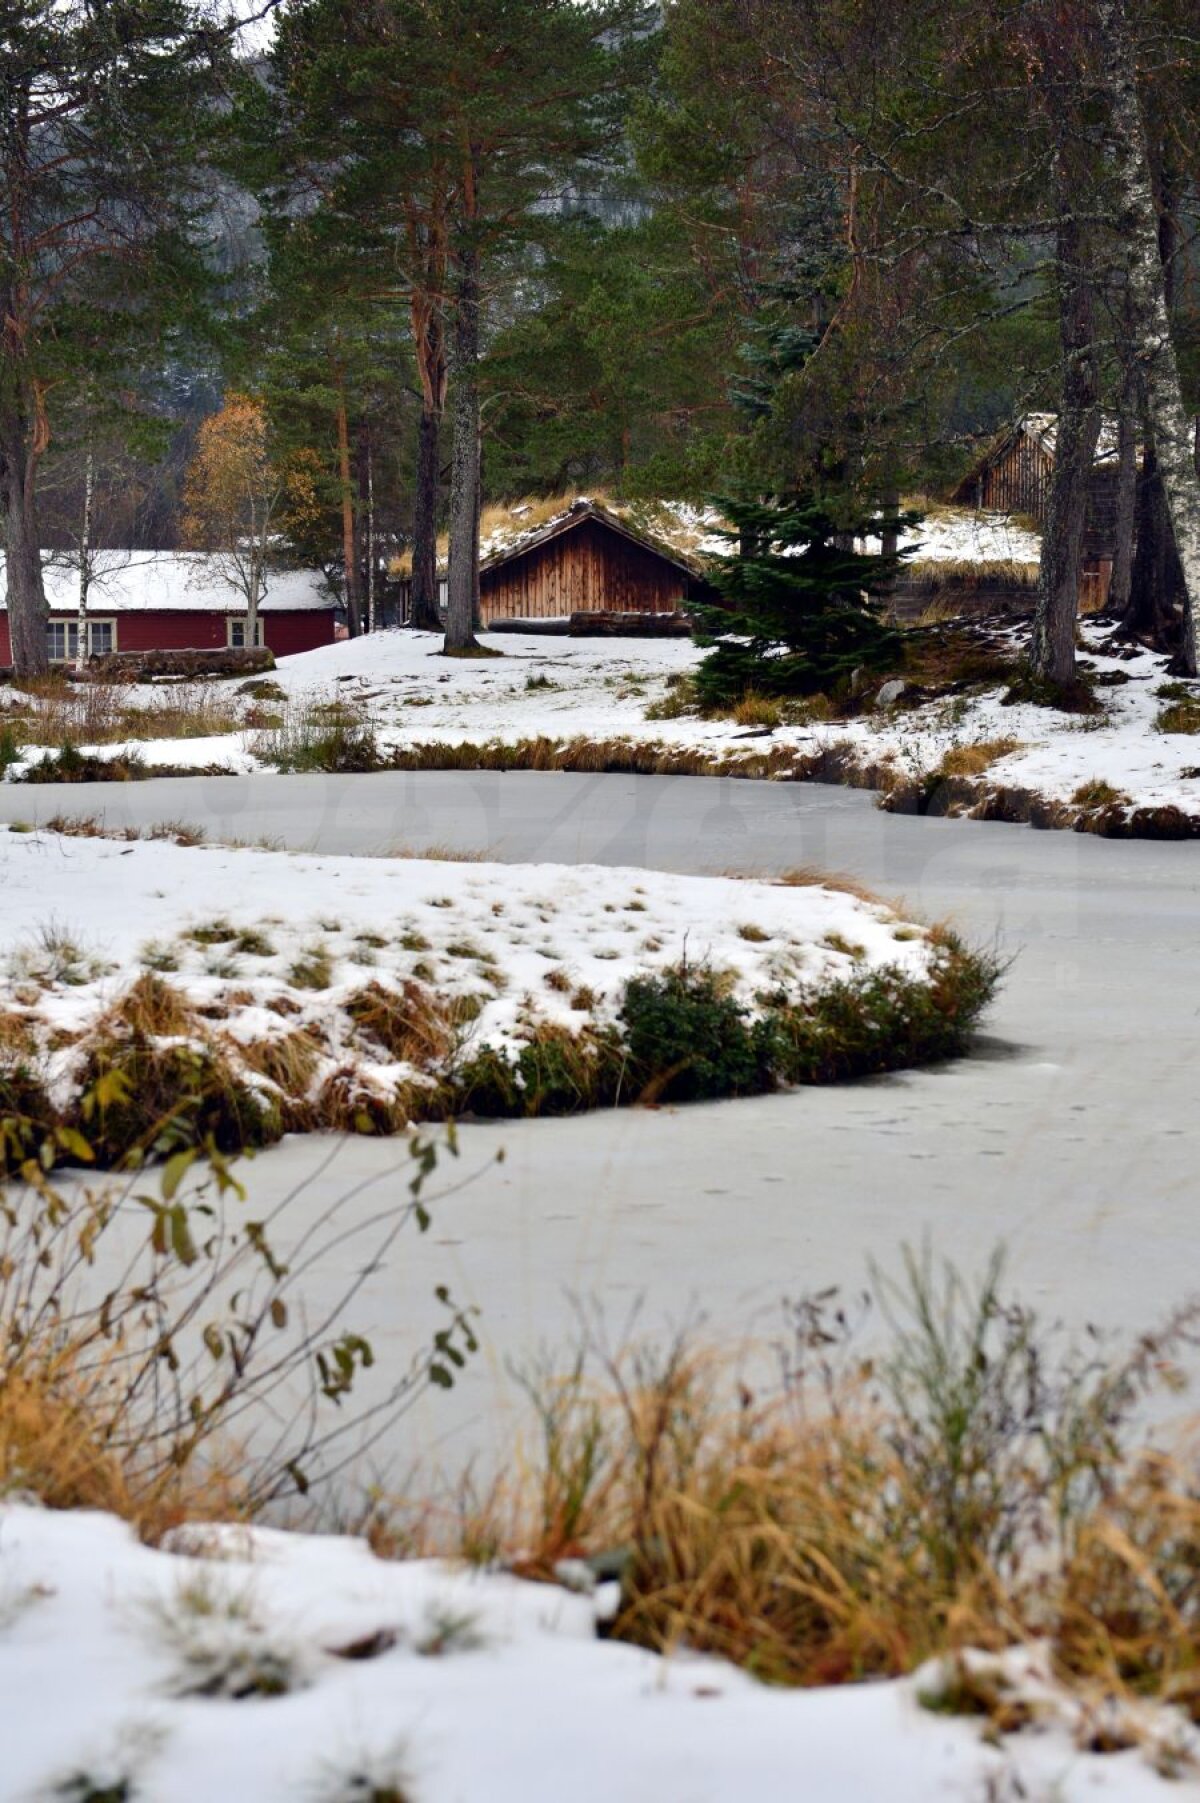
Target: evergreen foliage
x=799 y=615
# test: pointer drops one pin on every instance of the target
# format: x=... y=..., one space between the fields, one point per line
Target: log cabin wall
x=588 y=569
x=1018 y=481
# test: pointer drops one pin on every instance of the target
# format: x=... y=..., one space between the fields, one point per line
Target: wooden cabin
x=586 y=560
x=1013 y=476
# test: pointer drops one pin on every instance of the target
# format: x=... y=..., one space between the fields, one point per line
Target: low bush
x=758 y=710
x=881 y=1020
x=1099 y=794
x=689 y=1040
x=320 y=736
x=556 y=1071
x=139 y=1100
x=28 y=1119
x=1075 y=697
x=71 y=766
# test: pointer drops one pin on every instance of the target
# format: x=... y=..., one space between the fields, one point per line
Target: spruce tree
x=799 y=615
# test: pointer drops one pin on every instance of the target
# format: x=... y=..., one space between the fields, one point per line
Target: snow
x=961 y=536
x=103 y=1638
x=492 y=932
x=601 y=689
x=171 y=582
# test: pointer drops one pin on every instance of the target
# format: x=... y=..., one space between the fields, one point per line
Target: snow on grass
x=134 y=1667
x=600 y=691
x=269 y=942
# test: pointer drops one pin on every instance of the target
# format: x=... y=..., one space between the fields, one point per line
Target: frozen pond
x=1072 y=1136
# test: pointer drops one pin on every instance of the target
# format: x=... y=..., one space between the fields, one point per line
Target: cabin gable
x=586 y=564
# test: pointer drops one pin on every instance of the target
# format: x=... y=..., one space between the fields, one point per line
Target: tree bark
x=349 y=548
x=85 y=562
x=362 y=524
x=462 y=606
x=373 y=621
x=27 y=611
x=1127 y=493
x=1137 y=226
x=1052 y=653
x=425 y=614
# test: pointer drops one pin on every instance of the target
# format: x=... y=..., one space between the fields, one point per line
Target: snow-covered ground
x=573 y=691
x=123 y=1666
x=267 y=942
x=600 y=689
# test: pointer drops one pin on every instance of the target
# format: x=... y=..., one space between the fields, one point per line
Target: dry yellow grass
x=437 y=854
x=969 y=572
x=407 y=1023
x=149 y=1009
x=974 y=760
x=758 y=710
x=810 y=877
x=289 y=1060
x=59 y=1400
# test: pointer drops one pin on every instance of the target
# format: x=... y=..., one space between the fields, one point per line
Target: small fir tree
x=799 y=617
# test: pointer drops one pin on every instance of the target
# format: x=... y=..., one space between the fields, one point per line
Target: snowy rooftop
x=172 y=582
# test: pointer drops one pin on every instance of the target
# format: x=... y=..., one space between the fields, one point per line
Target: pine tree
x=105 y=129
x=799 y=618
x=438 y=137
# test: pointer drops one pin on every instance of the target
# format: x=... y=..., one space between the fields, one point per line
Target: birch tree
x=239 y=501
x=1136 y=226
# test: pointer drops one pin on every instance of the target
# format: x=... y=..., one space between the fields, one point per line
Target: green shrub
x=69 y=765
x=10 y=751
x=27 y=1118
x=556 y=1071
x=881 y=1020
x=139 y=1100
x=688 y=1040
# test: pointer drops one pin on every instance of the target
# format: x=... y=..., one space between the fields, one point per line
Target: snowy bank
x=365 y=992
x=257 y=1666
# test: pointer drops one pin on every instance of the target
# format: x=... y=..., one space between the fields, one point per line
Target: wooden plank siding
x=1016 y=481
x=587 y=569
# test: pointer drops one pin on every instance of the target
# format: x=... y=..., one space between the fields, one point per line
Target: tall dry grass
x=940 y=1472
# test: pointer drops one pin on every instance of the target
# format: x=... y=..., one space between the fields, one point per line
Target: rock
x=891 y=692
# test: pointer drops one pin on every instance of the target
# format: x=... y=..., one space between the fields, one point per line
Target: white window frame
x=243 y=620
x=69 y=629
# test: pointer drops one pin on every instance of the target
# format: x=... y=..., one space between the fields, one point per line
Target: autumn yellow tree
x=240 y=501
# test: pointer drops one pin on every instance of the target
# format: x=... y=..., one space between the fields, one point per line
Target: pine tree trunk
x=425 y=615
x=373 y=621
x=462 y=606
x=85 y=564
x=1137 y=228
x=362 y=516
x=1052 y=653
x=349 y=550
x=27 y=612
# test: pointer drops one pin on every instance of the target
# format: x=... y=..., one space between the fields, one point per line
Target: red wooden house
x=175 y=601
